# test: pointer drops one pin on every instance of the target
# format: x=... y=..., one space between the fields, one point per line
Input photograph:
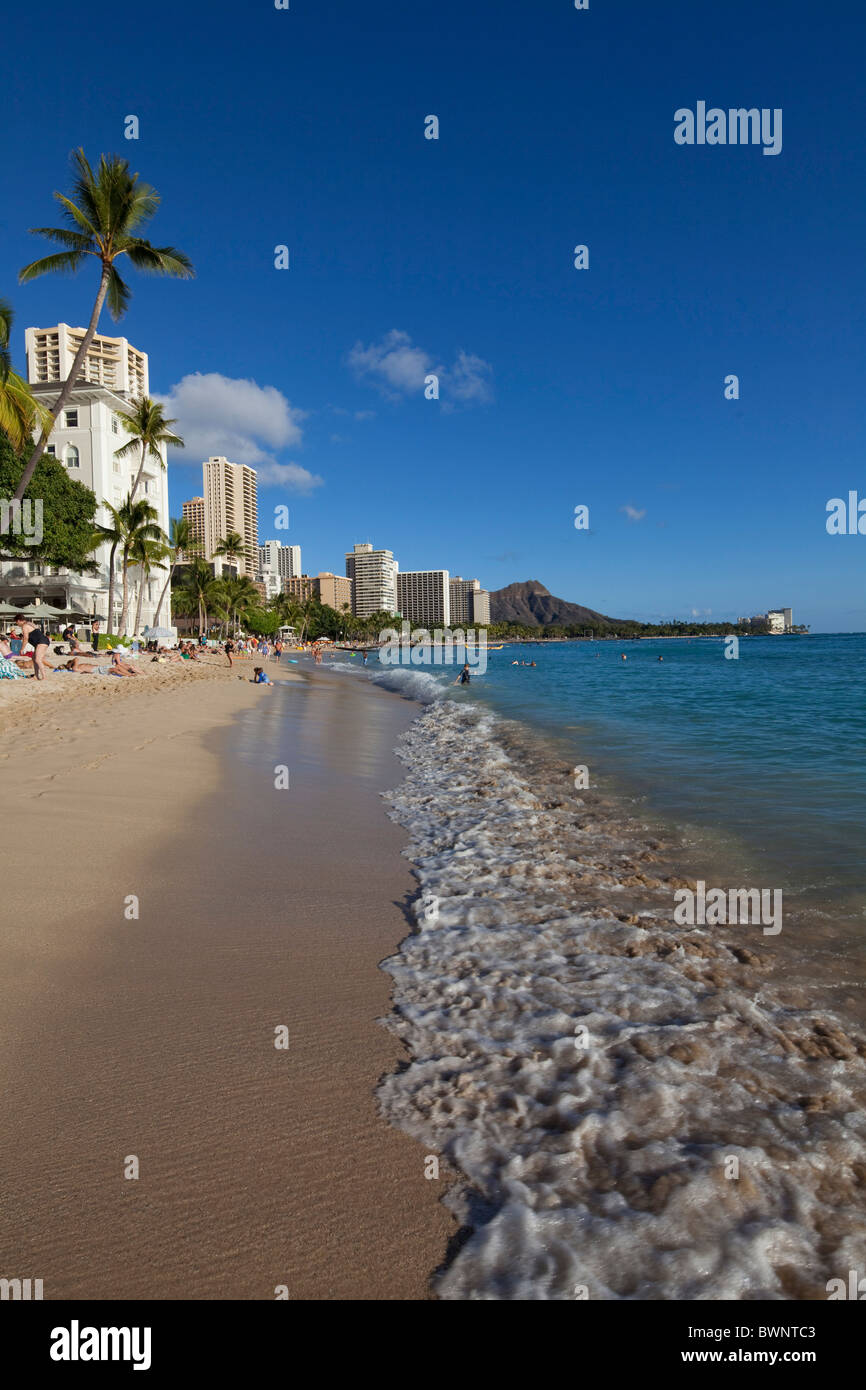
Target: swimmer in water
x=464 y=677
x=624 y=657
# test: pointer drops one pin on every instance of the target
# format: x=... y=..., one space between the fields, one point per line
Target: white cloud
x=393 y=363
x=470 y=378
x=634 y=513
x=288 y=475
x=398 y=367
x=239 y=419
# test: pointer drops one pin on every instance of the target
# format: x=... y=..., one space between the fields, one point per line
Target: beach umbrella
x=155 y=634
x=43 y=610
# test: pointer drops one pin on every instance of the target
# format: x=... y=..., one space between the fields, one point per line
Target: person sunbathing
x=118 y=667
x=77 y=667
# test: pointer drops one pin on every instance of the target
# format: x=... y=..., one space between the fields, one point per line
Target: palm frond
x=67 y=262
x=118 y=295
x=75 y=241
x=77 y=215
x=158 y=260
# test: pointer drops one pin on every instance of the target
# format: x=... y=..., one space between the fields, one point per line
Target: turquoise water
x=755 y=763
x=767 y=749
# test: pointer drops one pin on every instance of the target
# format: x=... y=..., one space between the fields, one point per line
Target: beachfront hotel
x=374 y=580
x=193 y=512
x=469 y=602
x=231 y=504
x=283 y=560
x=333 y=590
x=85 y=439
x=424 y=597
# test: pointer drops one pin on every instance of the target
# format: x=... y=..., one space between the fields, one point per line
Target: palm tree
x=239 y=595
x=19 y=409
x=181 y=542
x=107 y=210
x=196 y=590
x=137 y=523
x=149 y=428
x=114 y=535
x=287 y=609
x=148 y=555
x=231 y=547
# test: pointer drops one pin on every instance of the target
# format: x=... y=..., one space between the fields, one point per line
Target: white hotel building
x=279 y=559
x=85 y=440
x=374 y=580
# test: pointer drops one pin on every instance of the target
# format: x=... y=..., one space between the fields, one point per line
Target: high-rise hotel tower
x=85 y=439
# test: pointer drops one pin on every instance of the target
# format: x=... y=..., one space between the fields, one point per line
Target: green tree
x=196 y=590
x=68 y=509
x=107 y=210
x=136 y=522
x=238 y=597
x=181 y=543
x=288 y=610
x=147 y=555
x=19 y=409
x=231 y=547
x=262 y=621
x=149 y=428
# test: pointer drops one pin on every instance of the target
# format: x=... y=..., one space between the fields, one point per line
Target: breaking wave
x=634 y=1110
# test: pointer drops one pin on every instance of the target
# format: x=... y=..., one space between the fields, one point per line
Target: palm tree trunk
x=141 y=583
x=111 y=587
x=139 y=473
x=165 y=588
x=66 y=388
x=125 y=603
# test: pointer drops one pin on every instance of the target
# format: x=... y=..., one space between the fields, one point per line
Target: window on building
x=118 y=466
x=71 y=419
x=72 y=458
x=52 y=450
x=114 y=425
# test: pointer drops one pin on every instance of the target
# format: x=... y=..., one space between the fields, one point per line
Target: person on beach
x=318 y=656
x=366 y=655
x=9 y=670
x=94 y=635
x=261 y=677
x=75 y=667
x=38 y=641
x=464 y=677
x=228 y=649
x=118 y=667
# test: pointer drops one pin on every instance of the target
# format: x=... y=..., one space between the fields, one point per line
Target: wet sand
x=154 y=1036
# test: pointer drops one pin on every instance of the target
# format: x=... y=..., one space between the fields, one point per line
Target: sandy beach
x=153 y=1035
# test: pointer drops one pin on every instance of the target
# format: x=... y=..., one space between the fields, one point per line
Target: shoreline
x=154 y=1037
x=591 y=1069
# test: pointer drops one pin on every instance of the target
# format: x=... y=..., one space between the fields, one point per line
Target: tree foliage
x=68 y=510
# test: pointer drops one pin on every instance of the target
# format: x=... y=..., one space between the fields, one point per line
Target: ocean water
x=765 y=752
x=638 y=1109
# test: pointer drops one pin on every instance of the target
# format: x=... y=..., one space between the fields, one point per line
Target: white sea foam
x=414 y=684
x=603 y=1168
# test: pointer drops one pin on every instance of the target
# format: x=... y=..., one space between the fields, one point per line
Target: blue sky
x=605 y=387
